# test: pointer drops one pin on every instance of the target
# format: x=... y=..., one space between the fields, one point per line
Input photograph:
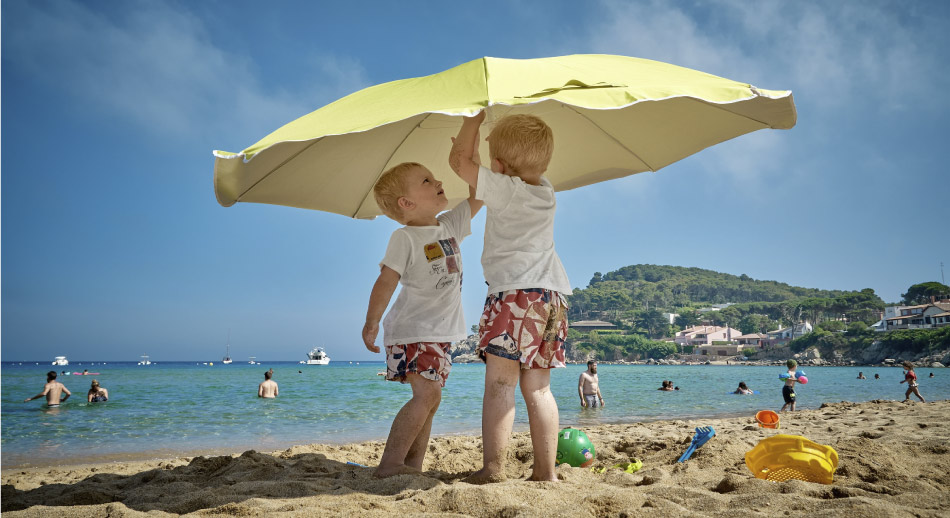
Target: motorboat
x=60 y=360
x=317 y=356
x=145 y=360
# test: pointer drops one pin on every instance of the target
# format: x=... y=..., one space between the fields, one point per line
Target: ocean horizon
x=173 y=409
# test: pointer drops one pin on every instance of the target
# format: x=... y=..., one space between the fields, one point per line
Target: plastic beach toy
x=627 y=467
x=703 y=434
x=785 y=457
x=767 y=419
x=574 y=448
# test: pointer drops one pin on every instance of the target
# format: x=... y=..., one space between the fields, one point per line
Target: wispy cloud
x=153 y=65
x=880 y=57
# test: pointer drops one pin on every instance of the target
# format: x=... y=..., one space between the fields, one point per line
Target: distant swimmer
x=96 y=393
x=268 y=387
x=53 y=391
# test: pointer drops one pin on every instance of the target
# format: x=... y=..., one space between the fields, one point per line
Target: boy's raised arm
x=378 y=300
x=474 y=205
x=464 y=147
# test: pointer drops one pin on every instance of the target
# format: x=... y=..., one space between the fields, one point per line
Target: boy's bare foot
x=535 y=478
x=482 y=476
x=392 y=471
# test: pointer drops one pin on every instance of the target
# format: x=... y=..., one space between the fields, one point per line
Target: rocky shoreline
x=875 y=356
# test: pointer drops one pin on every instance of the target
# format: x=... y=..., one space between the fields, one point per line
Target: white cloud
x=841 y=59
x=155 y=66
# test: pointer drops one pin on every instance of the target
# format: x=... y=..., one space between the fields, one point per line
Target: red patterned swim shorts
x=431 y=360
x=525 y=325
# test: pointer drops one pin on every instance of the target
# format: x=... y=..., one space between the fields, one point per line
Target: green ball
x=574 y=448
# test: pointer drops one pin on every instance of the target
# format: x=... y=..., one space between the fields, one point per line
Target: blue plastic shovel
x=703 y=434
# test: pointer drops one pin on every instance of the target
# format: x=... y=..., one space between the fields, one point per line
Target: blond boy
x=424 y=257
x=524 y=322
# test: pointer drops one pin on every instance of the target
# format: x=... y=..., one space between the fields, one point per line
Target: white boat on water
x=317 y=356
x=60 y=360
x=145 y=360
x=227 y=357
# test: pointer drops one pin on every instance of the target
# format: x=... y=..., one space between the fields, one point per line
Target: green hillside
x=635 y=295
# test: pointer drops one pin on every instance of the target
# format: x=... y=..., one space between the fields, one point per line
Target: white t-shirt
x=429 y=263
x=519 y=234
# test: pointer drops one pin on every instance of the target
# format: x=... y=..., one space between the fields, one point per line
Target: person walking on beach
x=788 y=389
x=96 y=393
x=588 y=387
x=53 y=390
x=268 y=388
x=424 y=256
x=524 y=322
x=910 y=377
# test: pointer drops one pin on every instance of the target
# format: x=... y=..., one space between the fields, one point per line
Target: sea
x=172 y=409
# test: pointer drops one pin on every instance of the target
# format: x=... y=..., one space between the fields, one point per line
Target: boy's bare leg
x=432 y=390
x=542 y=420
x=498 y=416
x=412 y=418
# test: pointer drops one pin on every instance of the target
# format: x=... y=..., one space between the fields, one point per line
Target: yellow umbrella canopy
x=612 y=116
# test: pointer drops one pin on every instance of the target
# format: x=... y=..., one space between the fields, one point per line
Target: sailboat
x=227 y=357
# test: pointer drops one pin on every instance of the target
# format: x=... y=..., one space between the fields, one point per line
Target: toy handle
x=688 y=453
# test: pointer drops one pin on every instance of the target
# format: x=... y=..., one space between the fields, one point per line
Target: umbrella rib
x=275 y=169
x=390 y=157
x=611 y=137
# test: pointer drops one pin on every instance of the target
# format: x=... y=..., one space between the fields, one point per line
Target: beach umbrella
x=612 y=116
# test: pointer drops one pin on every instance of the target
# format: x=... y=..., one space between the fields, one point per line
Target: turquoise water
x=171 y=409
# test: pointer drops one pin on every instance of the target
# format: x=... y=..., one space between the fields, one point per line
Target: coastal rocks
x=464 y=347
x=466 y=358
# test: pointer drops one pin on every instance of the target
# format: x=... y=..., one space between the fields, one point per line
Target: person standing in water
x=268 y=387
x=588 y=387
x=96 y=393
x=53 y=391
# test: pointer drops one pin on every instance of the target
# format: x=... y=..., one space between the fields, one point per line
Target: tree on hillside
x=687 y=319
x=755 y=323
x=653 y=321
x=923 y=293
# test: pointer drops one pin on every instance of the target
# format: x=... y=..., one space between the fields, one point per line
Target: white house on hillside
x=705 y=335
x=791 y=333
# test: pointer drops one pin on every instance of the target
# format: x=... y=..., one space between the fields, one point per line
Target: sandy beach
x=894 y=461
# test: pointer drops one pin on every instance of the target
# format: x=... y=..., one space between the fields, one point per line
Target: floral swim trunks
x=525 y=325
x=431 y=360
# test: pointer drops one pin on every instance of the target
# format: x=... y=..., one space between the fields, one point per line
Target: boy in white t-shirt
x=423 y=256
x=524 y=323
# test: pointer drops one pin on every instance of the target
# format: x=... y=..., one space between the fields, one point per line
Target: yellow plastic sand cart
x=784 y=457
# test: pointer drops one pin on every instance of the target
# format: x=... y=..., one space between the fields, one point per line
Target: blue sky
x=113 y=245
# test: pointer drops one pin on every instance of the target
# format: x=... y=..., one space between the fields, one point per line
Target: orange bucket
x=767 y=419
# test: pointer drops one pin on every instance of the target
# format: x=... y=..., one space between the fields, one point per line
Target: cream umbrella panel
x=612 y=116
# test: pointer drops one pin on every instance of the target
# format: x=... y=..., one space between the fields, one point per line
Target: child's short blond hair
x=390 y=187
x=523 y=142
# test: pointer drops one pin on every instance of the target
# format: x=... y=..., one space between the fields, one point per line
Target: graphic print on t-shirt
x=433 y=251
x=447 y=249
